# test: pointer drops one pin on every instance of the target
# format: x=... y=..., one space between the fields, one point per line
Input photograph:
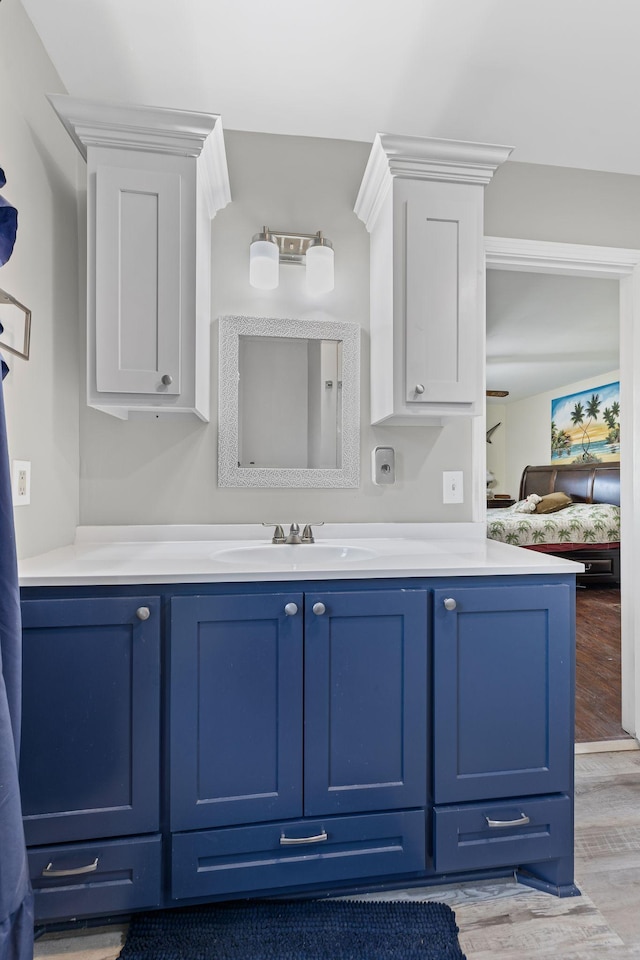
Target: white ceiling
x=545 y=332
x=557 y=79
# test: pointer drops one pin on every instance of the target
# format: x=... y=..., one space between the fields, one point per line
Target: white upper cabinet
x=155 y=180
x=422 y=201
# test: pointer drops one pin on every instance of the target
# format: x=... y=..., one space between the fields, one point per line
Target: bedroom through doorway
x=552 y=335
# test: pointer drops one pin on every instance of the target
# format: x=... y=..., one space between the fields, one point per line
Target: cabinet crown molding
x=423 y=158
x=181 y=133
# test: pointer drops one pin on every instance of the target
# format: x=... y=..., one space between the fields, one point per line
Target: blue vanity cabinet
x=90 y=754
x=184 y=743
x=287 y=710
x=503 y=728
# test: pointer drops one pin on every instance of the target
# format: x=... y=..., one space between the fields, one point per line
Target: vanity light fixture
x=269 y=249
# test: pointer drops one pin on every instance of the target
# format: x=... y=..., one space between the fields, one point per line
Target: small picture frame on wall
x=15 y=326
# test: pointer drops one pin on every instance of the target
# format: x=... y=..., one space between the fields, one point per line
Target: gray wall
x=563 y=204
x=306 y=184
x=162 y=472
x=41 y=394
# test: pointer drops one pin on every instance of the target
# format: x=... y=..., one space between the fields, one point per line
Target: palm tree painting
x=585 y=427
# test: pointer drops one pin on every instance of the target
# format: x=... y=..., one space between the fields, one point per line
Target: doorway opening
x=621 y=265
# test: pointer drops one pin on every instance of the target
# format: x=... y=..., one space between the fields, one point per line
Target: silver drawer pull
x=450 y=603
x=143 y=613
x=524 y=819
x=288 y=841
x=50 y=871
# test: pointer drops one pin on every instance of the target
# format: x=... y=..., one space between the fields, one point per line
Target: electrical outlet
x=383 y=466
x=452 y=488
x=21 y=482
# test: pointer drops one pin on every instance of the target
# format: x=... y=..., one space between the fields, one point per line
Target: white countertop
x=227 y=553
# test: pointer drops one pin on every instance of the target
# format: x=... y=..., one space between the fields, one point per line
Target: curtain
x=8 y=225
x=16 y=897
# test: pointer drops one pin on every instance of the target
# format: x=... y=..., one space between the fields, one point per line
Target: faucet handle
x=278 y=533
x=307 y=533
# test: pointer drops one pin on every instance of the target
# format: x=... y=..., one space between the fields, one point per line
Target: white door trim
x=538 y=256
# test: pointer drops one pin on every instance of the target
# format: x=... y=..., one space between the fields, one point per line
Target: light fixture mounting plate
x=292 y=246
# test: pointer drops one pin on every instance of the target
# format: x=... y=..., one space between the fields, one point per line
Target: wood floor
x=598 y=694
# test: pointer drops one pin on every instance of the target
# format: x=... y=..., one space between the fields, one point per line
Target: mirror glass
x=288 y=404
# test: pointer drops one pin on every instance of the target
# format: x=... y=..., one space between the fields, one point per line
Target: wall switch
x=383 y=466
x=21 y=482
x=452 y=487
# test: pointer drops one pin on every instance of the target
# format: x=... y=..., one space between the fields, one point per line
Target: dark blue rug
x=297 y=930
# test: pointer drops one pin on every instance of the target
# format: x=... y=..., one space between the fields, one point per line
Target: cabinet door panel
x=138 y=256
x=91 y=718
x=235 y=710
x=441 y=285
x=365 y=700
x=503 y=704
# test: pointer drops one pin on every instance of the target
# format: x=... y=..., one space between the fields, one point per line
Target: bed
x=588 y=530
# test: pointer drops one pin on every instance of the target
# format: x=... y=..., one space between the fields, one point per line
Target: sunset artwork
x=585 y=427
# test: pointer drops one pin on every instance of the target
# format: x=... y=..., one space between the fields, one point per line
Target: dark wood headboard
x=583 y=482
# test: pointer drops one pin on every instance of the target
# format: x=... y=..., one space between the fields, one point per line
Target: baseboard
x=607 y=746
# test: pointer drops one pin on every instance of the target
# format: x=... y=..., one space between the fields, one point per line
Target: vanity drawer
x=87 y=879
x=464 y=838
x=241 y=859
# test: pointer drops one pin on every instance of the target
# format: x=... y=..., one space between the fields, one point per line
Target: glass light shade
x=264 y=264
x=319 y=268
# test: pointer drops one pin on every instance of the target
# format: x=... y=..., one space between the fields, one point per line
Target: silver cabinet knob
x=318 y=608
x=143 y=613
x=291 y=609
x=167 y=379
x=419 y=388
x=450 y=604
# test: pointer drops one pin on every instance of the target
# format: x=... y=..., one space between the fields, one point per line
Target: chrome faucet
x=294 y=533
x=278 y=533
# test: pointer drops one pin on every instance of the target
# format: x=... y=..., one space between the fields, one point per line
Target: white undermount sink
x=296 y=553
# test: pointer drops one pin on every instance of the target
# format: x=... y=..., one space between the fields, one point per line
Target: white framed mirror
x=289 y=403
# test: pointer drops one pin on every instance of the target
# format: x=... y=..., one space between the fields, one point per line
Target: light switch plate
x=452 y=486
